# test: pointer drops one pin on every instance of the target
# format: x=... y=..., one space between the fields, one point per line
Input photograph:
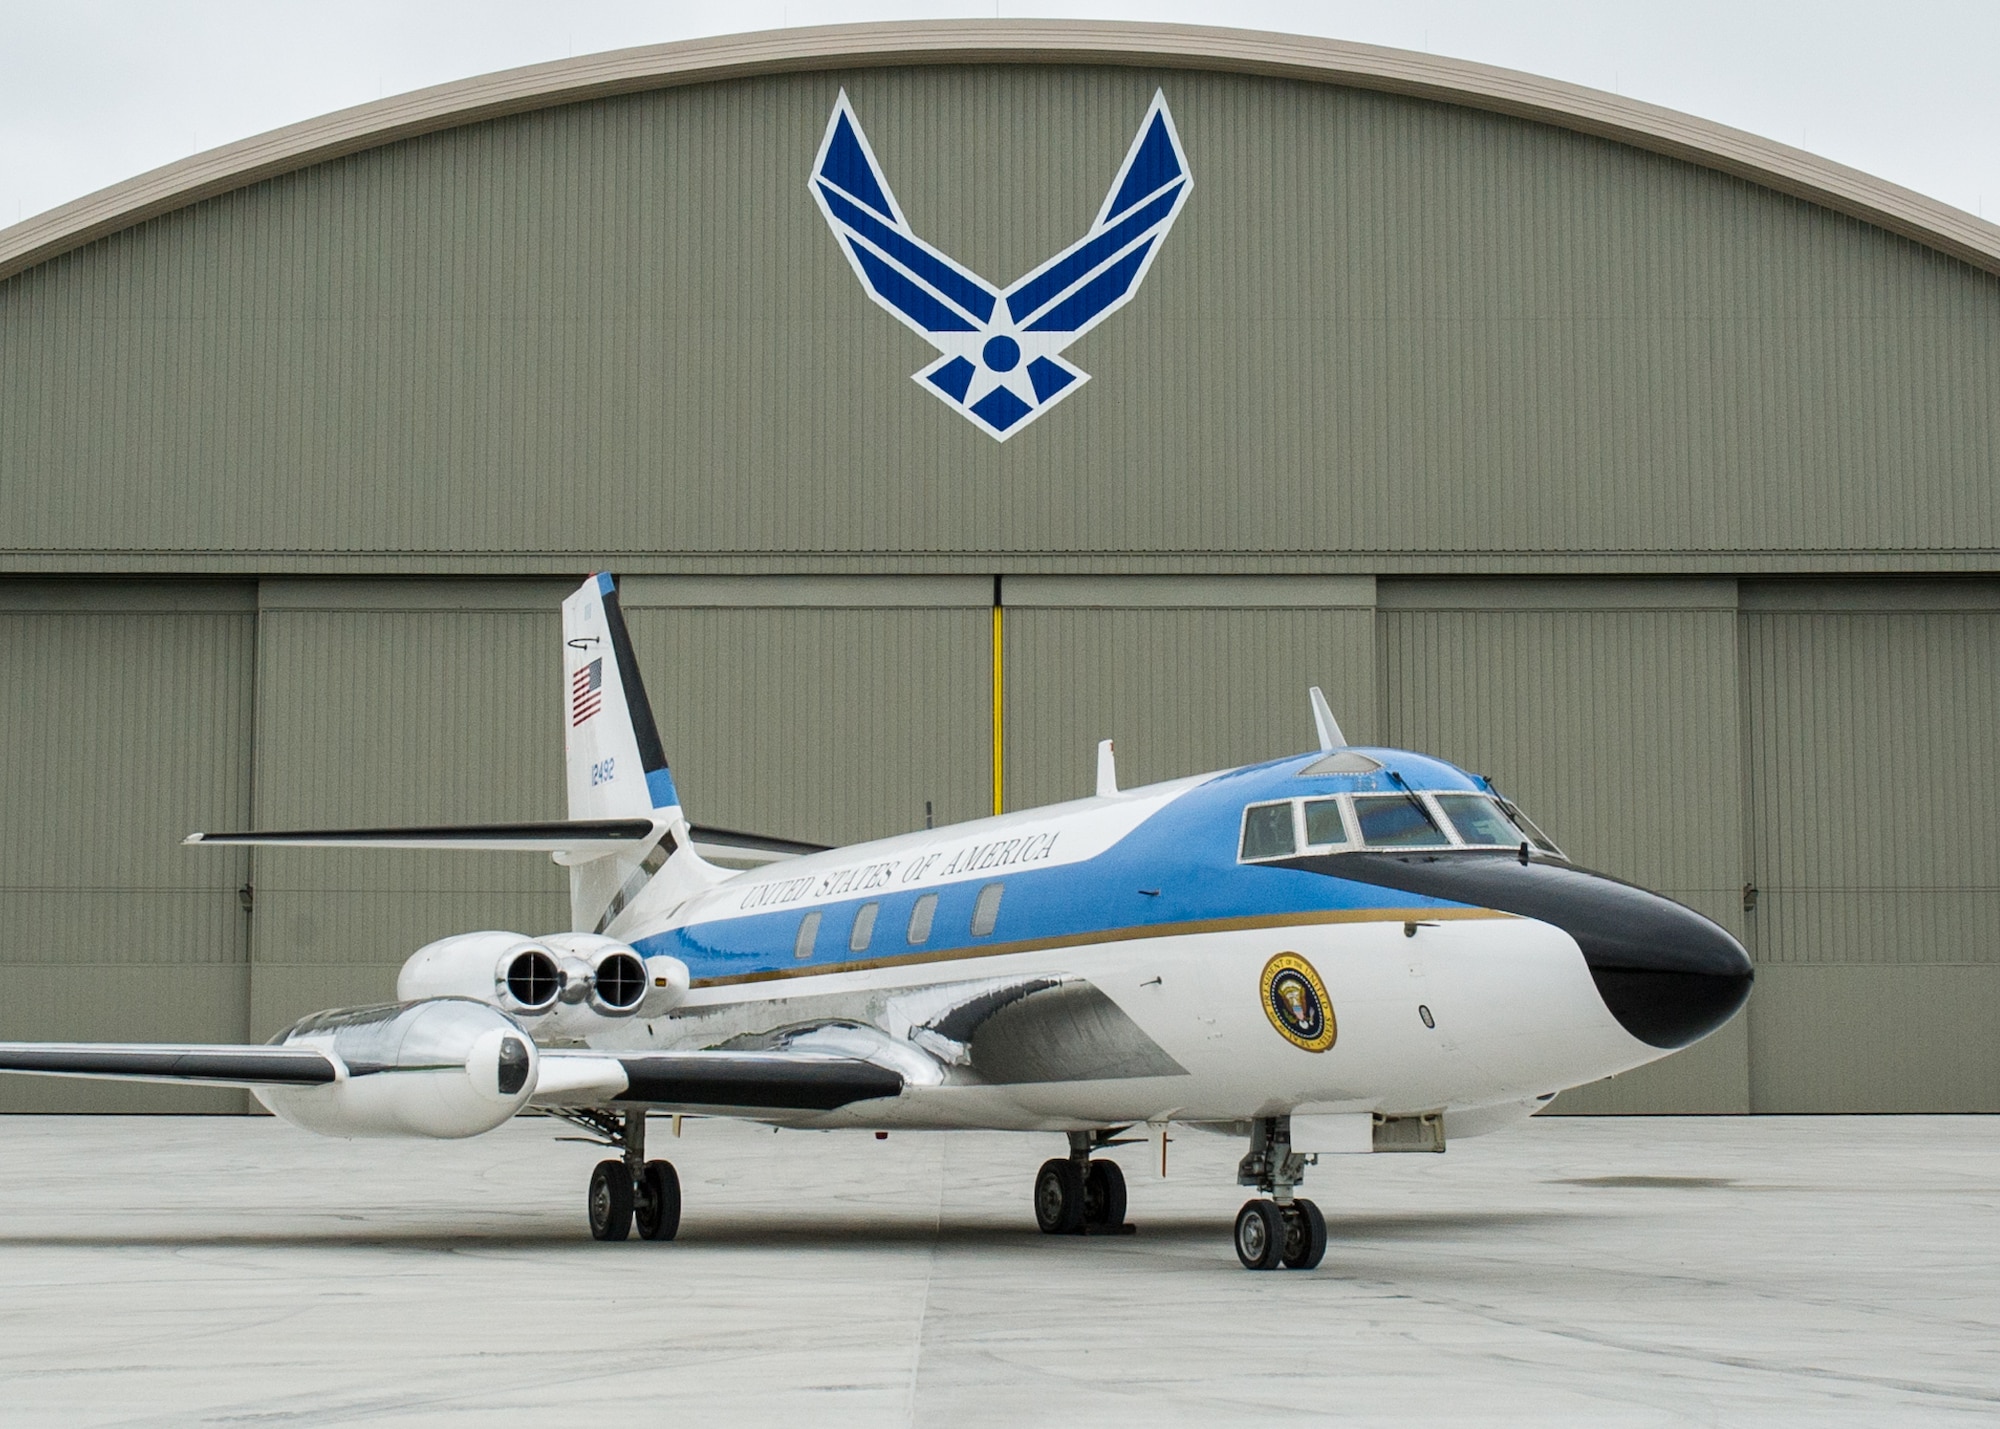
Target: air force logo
x=1000 y=350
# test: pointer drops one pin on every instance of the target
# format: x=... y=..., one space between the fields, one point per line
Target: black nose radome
x=1669 y=975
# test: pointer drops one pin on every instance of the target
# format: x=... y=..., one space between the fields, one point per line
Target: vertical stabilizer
x=617 y=769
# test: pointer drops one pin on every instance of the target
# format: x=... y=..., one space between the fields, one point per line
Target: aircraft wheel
x=1260 y=1235
x=1104 y=1195
x=657 y=1209
x=1305 y=1236
x=610 y=1201
x=1059 y=1198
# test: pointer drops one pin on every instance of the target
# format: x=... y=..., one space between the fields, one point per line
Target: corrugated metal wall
x=1874 y=709
x=1827 y=742
x=1382 y=330
x=125 y=717
x=1609 y=710
x=1398 y=367
x=1185 y=674
x=828 y=710
x=386 y=703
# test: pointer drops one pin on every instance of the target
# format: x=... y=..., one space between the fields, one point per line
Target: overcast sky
x=94 y=91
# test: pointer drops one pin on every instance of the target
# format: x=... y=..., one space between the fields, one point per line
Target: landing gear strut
x=1075 y=1195
x=632 y=1190
x=1278 y=1228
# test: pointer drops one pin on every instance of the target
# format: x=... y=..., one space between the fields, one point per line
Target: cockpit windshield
x=1397 y=821
x=1326 y=824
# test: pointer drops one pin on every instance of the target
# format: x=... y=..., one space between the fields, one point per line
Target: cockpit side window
x=1397 y=821
x=1267 y=832
x=1479 y=820
x=1535 y=836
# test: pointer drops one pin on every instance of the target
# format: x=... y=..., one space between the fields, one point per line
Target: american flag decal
x=586 y=692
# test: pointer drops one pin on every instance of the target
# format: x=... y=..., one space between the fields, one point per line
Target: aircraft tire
x=1059 y=1198
x=657 y=1208
x=1260 y=1235
x=610 y=1203
x=1104 y=1195
x=1305 y=1236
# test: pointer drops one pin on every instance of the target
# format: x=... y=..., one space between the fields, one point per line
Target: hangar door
x=1609 y=709
x=826 y=710
x=1874 y=713
x=398 y=702
x=823 y=708
x=125 y=711
x=1186 y=673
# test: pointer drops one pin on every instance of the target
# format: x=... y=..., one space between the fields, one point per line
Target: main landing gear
x=631 y=1190
x=1277 y=1228
x=1078 y=1196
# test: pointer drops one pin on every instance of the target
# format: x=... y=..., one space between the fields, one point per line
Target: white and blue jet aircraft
x=1349 y=950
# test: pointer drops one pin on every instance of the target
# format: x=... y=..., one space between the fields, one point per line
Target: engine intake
x=533 y=980
x=619 y=985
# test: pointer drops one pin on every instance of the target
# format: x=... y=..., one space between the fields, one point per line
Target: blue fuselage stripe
x=1177 y=868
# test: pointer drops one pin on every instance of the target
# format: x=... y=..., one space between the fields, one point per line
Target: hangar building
x=1644 y=465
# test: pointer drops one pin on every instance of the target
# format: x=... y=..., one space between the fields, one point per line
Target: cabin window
x=920 y=918
x=1267 y=831
x=1323 y=822
x=986 y=909
x=864 y=927
x=1397 y=821
x=1478 y=819
x=802 y=946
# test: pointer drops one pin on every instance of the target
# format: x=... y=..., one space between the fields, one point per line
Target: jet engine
x=562 y=985
x=446 y=1068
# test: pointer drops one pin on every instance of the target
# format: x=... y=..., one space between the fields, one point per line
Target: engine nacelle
x=514 y=973
x=563 y=985
x=446 y=1068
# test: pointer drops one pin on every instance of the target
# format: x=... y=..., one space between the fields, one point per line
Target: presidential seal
x=1296 y=1002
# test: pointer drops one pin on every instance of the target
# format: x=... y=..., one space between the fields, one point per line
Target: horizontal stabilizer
x=553 y=836
x=730 y=846
x=723 y=1081
x=256 y=1066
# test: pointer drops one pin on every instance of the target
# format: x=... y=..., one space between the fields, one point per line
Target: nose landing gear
x=1075 y=1195
x=1278 y=1228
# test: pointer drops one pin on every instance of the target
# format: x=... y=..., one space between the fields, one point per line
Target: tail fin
x=617 y=768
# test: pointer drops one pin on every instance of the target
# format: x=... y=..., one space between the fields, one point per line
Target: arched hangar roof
x=1628 y=121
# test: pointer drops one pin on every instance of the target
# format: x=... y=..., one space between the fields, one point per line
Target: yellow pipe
x=998 y=705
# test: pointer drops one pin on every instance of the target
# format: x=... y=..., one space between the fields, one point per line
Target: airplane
x=1350 y=950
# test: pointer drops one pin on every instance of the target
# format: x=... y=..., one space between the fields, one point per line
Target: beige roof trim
x=1588 y=111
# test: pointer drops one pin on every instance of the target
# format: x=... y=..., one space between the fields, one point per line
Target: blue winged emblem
x=1000 y=350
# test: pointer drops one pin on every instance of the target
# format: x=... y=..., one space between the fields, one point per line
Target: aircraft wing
x=212 y=1066
x=722 y=1081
